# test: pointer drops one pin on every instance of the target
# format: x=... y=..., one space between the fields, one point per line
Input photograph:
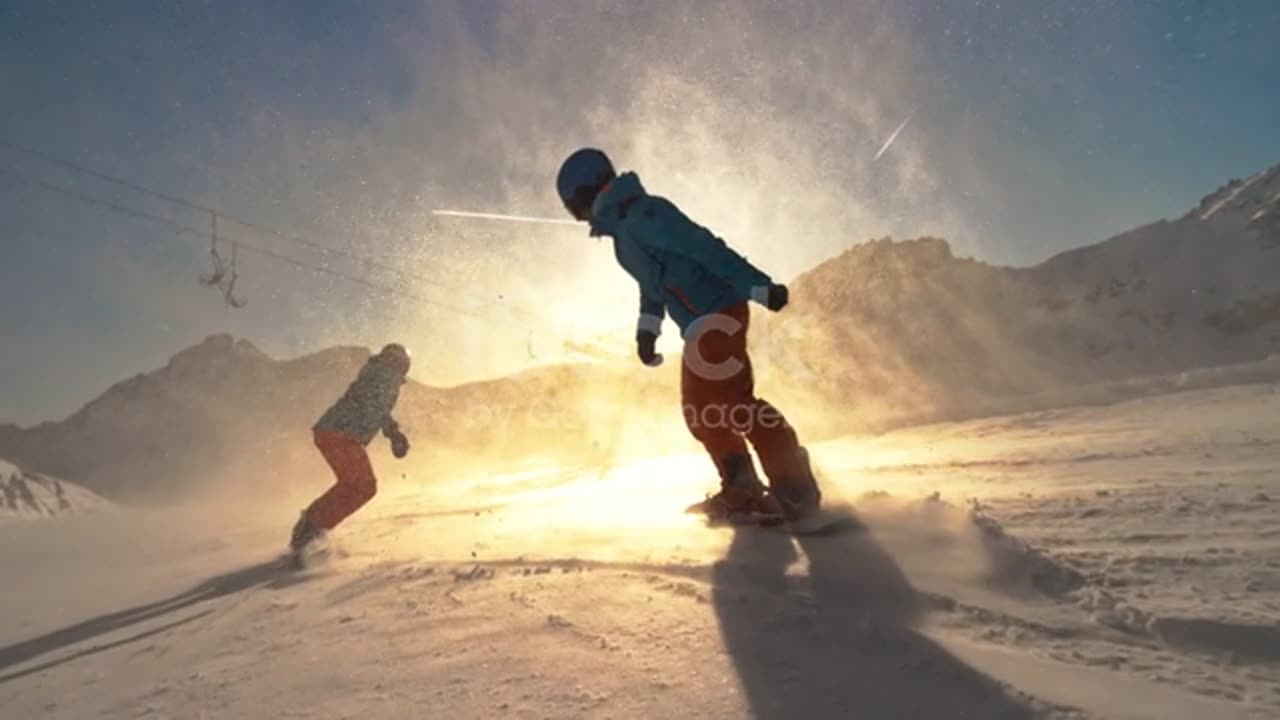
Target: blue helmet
x=582 y=175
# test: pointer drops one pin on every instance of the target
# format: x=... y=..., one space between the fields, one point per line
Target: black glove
x=778 y=297
x=399 y=444
x=646 y=341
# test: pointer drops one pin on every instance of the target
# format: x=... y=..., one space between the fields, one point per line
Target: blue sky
x=1038 y=126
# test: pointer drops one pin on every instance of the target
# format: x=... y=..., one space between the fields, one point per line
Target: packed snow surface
x=1114 y=562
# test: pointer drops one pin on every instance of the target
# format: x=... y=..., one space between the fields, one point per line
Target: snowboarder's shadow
x=273 y=574
x=841 y=642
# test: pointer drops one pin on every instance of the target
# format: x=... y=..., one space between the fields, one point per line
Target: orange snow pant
x=356 y=483
x=720 y=406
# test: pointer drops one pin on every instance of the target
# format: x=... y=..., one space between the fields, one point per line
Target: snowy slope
x=31 y=495
x=1119 y=562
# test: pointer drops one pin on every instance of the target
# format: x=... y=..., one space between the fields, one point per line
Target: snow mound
x=31 y=495
x=1019 y=562
x=1240 y=641
x=969 y=542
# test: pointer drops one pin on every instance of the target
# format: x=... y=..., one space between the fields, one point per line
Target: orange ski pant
x=356 y=484
x=721 y=410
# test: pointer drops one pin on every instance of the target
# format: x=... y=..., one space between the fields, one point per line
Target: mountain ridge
x=886 y=333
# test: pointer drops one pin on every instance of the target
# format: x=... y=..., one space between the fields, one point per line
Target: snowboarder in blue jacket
x=687 y=273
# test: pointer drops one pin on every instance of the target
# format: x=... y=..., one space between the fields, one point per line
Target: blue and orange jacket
x=365 y=408
x=683 y=269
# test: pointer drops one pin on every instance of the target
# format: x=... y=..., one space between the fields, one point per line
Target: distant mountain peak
x=1251 y=197
x=218 y=347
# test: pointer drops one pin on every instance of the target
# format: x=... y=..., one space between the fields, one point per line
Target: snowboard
x=826 y=521
x=309 y=556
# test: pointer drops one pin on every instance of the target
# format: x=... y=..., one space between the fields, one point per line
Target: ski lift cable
x=182 y=229
x=249 y=224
